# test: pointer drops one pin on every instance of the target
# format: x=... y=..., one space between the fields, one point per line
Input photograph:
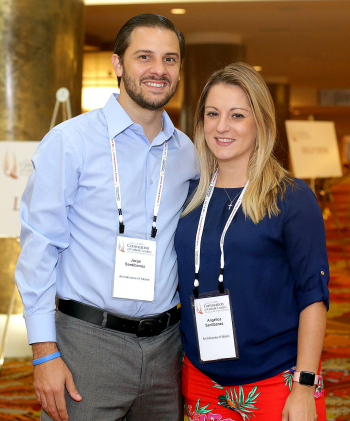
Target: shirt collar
x=113 y=109
x=169 y=128
x=118 y=125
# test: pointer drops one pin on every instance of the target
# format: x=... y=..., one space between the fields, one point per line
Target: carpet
x=17 y=397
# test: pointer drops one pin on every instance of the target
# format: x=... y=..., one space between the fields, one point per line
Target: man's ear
x=118 y=68
x=180 y=72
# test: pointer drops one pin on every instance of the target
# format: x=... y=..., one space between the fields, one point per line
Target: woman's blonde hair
x=267 y=178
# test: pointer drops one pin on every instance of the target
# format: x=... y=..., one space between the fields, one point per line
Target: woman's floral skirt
x=206 y=400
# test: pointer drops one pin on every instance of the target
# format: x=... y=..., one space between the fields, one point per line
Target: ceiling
x=307 y=42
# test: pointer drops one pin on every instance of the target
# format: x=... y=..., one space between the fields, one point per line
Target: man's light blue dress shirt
x=69 y=214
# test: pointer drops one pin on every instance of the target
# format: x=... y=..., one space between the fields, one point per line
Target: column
x=206 y=53
x=279 y=89
x=41 y=50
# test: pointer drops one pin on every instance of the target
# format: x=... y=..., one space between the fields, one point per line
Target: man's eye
x=170 y=59
x=143 y=57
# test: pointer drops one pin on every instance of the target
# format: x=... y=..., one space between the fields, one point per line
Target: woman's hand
x=300 y=404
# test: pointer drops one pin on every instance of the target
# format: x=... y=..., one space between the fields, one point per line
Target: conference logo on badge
x=121 y=245
x=199 y=308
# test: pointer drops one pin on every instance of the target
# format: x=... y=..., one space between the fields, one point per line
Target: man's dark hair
x=148 y=20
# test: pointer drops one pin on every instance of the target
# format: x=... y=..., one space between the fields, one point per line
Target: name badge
x=135 y=266
x=215 y=327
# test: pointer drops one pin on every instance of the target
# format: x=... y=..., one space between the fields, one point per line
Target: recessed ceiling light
x=178 y=11
x=257 y=68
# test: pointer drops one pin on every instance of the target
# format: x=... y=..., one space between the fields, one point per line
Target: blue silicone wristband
x=46 y=358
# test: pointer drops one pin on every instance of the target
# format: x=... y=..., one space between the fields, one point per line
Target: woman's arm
x=300 y=404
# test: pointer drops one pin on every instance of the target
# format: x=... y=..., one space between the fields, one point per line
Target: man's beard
x=139 y=97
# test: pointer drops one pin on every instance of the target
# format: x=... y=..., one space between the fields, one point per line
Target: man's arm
x=45 y=234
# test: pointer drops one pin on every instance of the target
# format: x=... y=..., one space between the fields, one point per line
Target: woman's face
x=229 y=125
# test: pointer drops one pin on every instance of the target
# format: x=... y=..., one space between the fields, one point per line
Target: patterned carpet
x=336 y=353
x=17 y=398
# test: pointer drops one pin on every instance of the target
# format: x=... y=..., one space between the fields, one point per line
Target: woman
x=261 y=233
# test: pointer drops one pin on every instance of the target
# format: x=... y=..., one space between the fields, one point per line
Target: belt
x=147 y=326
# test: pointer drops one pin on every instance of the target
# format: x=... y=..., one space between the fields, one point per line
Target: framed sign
x=313 y=149
x=16 y=166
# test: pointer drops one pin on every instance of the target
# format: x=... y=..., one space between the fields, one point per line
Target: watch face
x=306 y=378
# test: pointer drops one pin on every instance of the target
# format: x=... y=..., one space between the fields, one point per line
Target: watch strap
x=298 y=374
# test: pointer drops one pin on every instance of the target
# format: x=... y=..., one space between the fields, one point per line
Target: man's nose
x=158 y=67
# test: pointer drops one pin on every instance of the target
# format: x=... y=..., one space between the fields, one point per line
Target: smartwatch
x=306 y=378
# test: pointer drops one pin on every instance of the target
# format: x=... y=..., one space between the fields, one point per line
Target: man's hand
x=300 y=404
x=50 y=380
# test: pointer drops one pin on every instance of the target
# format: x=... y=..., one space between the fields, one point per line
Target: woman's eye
x=211 y=114
x=237 y=115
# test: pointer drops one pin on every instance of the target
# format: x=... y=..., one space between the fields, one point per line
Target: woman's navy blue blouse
x=273 y=270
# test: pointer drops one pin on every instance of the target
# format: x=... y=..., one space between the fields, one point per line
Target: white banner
x=314 y=149
x=16 y=166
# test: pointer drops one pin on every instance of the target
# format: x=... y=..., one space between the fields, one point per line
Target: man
x=92 y=236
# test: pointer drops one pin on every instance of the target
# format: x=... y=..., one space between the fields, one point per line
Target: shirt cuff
x=41 y=328
x=312 y=297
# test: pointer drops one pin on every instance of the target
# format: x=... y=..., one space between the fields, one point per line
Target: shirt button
x=151 y=182
x=322 y=272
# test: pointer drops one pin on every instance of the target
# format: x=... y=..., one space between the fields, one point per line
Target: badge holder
x=134 y=272
x=215 y=329
x=135 y=258
x=212 y=312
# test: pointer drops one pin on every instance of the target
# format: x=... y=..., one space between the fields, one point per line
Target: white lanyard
x=200 y=228
x=118 y=194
